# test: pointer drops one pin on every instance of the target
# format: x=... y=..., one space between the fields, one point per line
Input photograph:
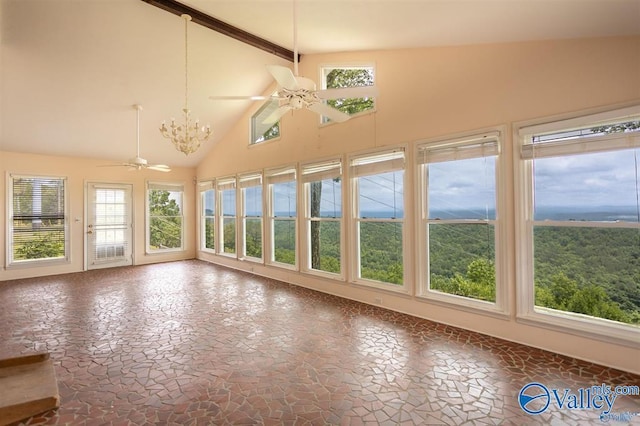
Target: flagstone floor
x=190 y=343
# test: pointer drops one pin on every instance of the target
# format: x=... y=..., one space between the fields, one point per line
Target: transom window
x=343 y=77
x=261 y=131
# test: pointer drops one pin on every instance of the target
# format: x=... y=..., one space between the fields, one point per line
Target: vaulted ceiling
x=71 y=70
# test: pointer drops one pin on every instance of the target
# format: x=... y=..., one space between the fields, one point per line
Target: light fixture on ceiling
x=188 y=136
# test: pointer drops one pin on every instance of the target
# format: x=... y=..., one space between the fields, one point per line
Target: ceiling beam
x=223 y=28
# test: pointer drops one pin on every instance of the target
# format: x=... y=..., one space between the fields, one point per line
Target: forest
x=592 y=271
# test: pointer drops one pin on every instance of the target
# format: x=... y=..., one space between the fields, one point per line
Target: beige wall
x=79 y=171
x=431 y=92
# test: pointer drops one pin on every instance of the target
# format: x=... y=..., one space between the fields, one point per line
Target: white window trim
x=30 y=263
x=224 y=184
x=353 y=220
x=203 y=186
x=501 y=306
x=251 y=119
x=170 y=186
x=271 y=176
x=305 y=252
x=526 y=313
x=247 y=180
x=322 y=78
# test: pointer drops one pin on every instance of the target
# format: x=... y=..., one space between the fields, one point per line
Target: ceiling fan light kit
x=188 y=136
x=296 y=92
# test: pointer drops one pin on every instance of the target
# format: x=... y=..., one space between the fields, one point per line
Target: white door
x=109 y=225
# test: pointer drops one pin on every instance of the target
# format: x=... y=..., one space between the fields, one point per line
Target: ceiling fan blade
x=275 y=115
x=239 y=98
x=349 y=92
x=159 y=168
x=330 y=112
x=284 y=76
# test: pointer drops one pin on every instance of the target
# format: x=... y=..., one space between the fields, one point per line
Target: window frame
x=245 y=181
x=448 y=146
x=223 y=184
x=526 y=310
x=204 y=187
x=354 y=219
x=271 y=177
x=325 y=69
x=307 y=172
x=167 y=186
x=270 y=102
x=12 y=263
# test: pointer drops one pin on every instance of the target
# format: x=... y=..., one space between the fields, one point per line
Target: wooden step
x=28 y=387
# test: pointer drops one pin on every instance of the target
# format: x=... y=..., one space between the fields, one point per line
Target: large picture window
x=323 y=216
x=227 y=190
x=207 y=216
x=165 y=217
x=378 y=197
x=282 y=215
x=582 y=248
x=458 y=179
x=37 y=226
x=251 y=188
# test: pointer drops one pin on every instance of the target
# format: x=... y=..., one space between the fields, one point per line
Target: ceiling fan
x=296 y=92
x=137 y=162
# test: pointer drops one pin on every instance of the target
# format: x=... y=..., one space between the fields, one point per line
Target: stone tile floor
x=190 y=343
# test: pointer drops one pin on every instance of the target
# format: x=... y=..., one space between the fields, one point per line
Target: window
x=251 y=187
x=282 y=215
x=227 y=190
x=323 y=216
x=458 y=230
x=165 y=222
x=207 y=216
x=580 y=260
x=37 y=225
x=261 y=131
x=378 y=197
x=343 y=77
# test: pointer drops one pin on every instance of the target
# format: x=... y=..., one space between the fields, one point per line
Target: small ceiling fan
x=296 y=92
x=137 y=162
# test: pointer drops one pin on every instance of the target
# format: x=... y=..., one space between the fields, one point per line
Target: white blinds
x=377 y=163
x=225 y=184
x=205 y=185
x=247 y=181
x=613 y=141
x=481 y=145
x=320 y=171
x=163 y=186
x=286 y=174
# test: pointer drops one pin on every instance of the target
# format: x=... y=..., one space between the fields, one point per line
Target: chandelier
x=188 y=136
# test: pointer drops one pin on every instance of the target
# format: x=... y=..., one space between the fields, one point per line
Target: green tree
x=340 y=78
x=165 y=227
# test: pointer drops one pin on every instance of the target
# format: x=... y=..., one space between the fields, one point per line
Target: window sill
x=596 y=329
x=360 y=114
x=25 y=264
x=464 y=304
